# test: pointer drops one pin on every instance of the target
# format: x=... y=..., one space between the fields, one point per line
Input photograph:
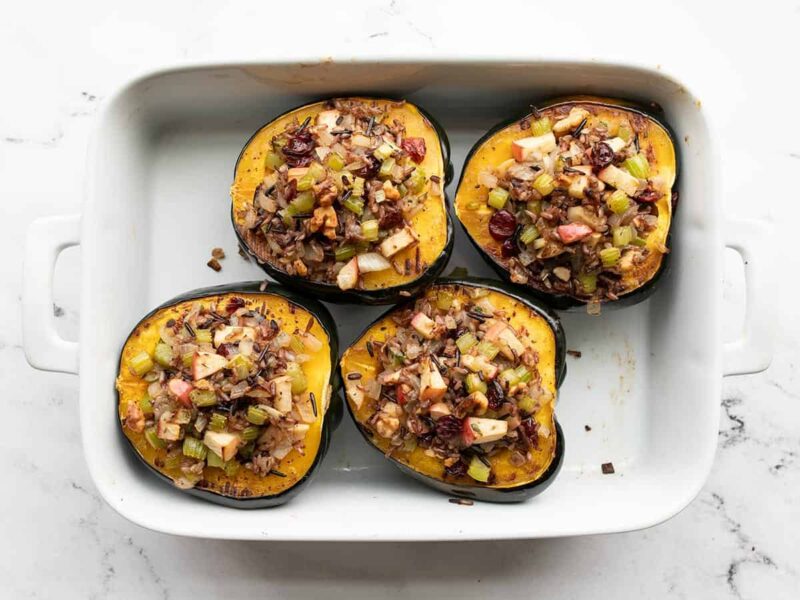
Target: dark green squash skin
x=564 y=302
x=330 y=292
x=477 y=492
x=332 y=418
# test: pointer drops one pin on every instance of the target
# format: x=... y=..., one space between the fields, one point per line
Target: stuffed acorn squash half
x=344 y=199
x=574 y=201
x=229 y=393
x=458 y=388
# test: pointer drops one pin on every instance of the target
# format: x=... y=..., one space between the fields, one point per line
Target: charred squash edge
x=477 y=492
x=332 y=417
x=565 y=302
x=330 y=292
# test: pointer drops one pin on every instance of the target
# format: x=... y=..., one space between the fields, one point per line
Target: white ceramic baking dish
x=648 y=383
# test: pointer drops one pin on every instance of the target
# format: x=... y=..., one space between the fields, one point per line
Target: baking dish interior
x=647 y=384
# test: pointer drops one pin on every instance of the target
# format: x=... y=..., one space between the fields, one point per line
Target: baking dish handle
x=44 y=348
x=752 y=352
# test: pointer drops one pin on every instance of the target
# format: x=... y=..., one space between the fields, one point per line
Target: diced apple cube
x=423 y=324
x=283 y=394
x=328 y=118
x=299 y=431
x=439 y=410
x=616 y=144
x=354 y=392
x=205 y=364
x=222 y=443
x=534 y=147
x=371 y=262
x=432 y=386
x=400 y=240
x=480 y=364
x=230 y=334
x=478 y=430
x=571 y=121
x=180 y=389
x=348 y=275
x=622 y=180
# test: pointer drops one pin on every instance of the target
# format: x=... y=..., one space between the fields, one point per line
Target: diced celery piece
x=383 y=151
x=609 y=256
x=241 y=366
x=305 y=183
x=529 y=234
x=273 y=160
x=487 y=349
x=256 y=415
x=637 y=166
x=622 y=235
x=526 y=404
x=535 y=206
x=523 y=374
x=343 y=253
x=231 y=467
x=465 y=342
x=218 y=422
x=335 y=161
x=385 y=171
x=416 y=182
x=625 y=132
x=618 y=202
x=146 y=404
x=187 y=359
x=509 y=377
x=541 y=126
x=141 y=364
x=354 y=205
x=544 y=184
x=246 y=451
x=250 y=433
x=303 y=203
x=194 y=448
x=478 y=470
x=444 y=300
x=475 y=383
x=358 y=187
x=498 y=198
x=212 y=460
x=588 y=282
x=203 y=336
x=316 y=171
x=370 y=229
x=203 y=398
x=152 y=438
x=163 y=354
x=298 y=377
x=639 y=241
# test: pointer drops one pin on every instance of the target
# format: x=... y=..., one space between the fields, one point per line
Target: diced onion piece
x=347 y=277
x=371 y=262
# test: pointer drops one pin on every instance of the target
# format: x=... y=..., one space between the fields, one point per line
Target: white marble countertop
x=739 y=537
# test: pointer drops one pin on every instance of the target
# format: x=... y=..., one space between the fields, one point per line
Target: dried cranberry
x=370 y=169
x=234 y=304
x=649 y=195
x=299 y=148
x=530 y=428
x=449 y=427
x=457 y=469
x=602 y=155
x=494 y=393
x=415 y=147
x=509 y=248
x=502 y=225
x=392 y=217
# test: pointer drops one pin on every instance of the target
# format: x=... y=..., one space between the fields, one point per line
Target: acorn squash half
x=437 y=407
x=184 y=417
x=344 y=199
x=574 y=201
